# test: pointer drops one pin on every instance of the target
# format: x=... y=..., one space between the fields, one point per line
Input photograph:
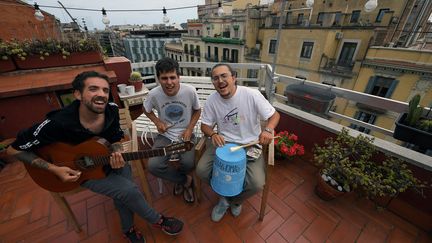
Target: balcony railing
x=341 y=68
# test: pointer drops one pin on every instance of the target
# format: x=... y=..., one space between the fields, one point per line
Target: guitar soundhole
x=86 y=163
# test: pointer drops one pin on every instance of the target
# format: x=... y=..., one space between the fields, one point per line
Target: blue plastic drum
x=229 y=169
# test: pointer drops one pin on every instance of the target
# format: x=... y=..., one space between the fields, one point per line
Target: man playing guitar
x=88 y=116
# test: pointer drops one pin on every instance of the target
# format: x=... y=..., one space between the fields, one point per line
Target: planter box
x=411 y=134
x=56 y=60
x=310 y=99
x=7 y=65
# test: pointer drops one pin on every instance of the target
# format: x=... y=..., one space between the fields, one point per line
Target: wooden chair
x=130 y=144
x=268 y=153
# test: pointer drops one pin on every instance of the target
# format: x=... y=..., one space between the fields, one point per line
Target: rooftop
x=294 y=212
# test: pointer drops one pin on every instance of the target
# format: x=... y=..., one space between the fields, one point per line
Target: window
x=337 y=18
x=185 y=48
x=288 y=19
x=234 y=56
x=216 y=54
x=272 y=47
x=381 y=14
x=300 y=18
x=365 y=117
x=198 y=32
x=381 y=86
x=347 y=54
x=252 y=73
x=307 y=48
x=355 y=15
x=225 y=54
x=320 y=18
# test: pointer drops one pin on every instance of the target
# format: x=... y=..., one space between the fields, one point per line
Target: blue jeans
x=127 y=197
x=159 y=166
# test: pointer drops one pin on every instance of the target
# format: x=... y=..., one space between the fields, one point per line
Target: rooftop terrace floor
x=294 y=214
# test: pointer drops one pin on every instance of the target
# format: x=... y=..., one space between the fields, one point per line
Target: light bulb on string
x=371 y=5
x=105 y=19
x=165 y=18
x=38 y=14
x=309 y=3
x=220 y=11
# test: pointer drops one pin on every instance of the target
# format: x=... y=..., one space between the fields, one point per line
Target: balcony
x=221 y=40
x=339 y=68
x=211 y=58
x=253 y=54
x=294 y=212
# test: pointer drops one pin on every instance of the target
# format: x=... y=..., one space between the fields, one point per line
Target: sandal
x=188 y=193
x=178 y=189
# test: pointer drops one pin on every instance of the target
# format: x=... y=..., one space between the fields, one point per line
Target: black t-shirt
x=64 y=126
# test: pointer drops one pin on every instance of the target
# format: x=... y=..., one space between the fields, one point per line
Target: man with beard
x=88 y=116
x=178 y=112
x=237 y=111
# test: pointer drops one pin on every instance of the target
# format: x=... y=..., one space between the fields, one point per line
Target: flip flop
x=188 y=193
x=178 y=189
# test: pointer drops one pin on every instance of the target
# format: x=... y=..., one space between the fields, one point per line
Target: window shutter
x=370 y=85
x=391 y=88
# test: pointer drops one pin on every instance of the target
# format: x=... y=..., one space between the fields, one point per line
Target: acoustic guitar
x=89 y=157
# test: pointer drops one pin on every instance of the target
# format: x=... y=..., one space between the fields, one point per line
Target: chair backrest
x=147 y=129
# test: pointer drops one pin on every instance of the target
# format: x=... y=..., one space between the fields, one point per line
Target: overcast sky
x=94 y=19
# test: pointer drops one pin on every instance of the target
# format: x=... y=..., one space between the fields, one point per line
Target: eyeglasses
x=223 y=76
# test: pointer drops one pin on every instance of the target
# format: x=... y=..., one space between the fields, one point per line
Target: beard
x=96 y=105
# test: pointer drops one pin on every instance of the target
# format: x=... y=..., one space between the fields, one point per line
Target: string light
x=309 y=3
x=165 y=18
x=38 y=14
x=370 y=5
x=220 y=11
x=105 y=19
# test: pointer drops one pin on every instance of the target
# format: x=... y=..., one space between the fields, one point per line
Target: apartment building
x=148 y=45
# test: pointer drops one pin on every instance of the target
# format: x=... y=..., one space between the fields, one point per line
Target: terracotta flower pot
x=57 y=60
x=325 y=191
x=7 y=65
x=138 y=86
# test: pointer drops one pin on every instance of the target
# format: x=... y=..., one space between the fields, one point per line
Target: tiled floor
x=294 y=214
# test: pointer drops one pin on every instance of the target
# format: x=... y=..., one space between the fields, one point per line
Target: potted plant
x=347 y=163
x=135 y=79
x=6 y=63
x=287 y=146
x=31 y=54
x=413 y=127
x=340 y=160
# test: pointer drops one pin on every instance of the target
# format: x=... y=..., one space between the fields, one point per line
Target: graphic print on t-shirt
x=174 y=112
x=232 y=117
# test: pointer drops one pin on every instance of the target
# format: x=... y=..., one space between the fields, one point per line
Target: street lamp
x=38 y=14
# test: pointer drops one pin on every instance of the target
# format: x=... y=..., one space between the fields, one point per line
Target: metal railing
x=266 y=82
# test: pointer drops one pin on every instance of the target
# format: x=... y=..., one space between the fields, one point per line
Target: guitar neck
x=104 y=160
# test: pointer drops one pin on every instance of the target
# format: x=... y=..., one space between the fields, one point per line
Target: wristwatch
x=270 y=130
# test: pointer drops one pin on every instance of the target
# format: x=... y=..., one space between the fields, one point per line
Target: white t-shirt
x=237 y=118
x=173 y=110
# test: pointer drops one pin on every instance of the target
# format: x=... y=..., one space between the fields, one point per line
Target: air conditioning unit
x=339 y=35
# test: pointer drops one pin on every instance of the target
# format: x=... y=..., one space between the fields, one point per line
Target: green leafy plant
x=425 y=125
x=5 y=50
x=43 y=48
x=135 y=77
x=347 y=162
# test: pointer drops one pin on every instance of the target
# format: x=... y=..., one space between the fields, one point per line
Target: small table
x=136 y=98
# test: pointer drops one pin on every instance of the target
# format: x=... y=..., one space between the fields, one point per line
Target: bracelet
x=214 y=133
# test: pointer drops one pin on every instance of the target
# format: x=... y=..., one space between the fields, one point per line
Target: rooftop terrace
x=294 y=213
